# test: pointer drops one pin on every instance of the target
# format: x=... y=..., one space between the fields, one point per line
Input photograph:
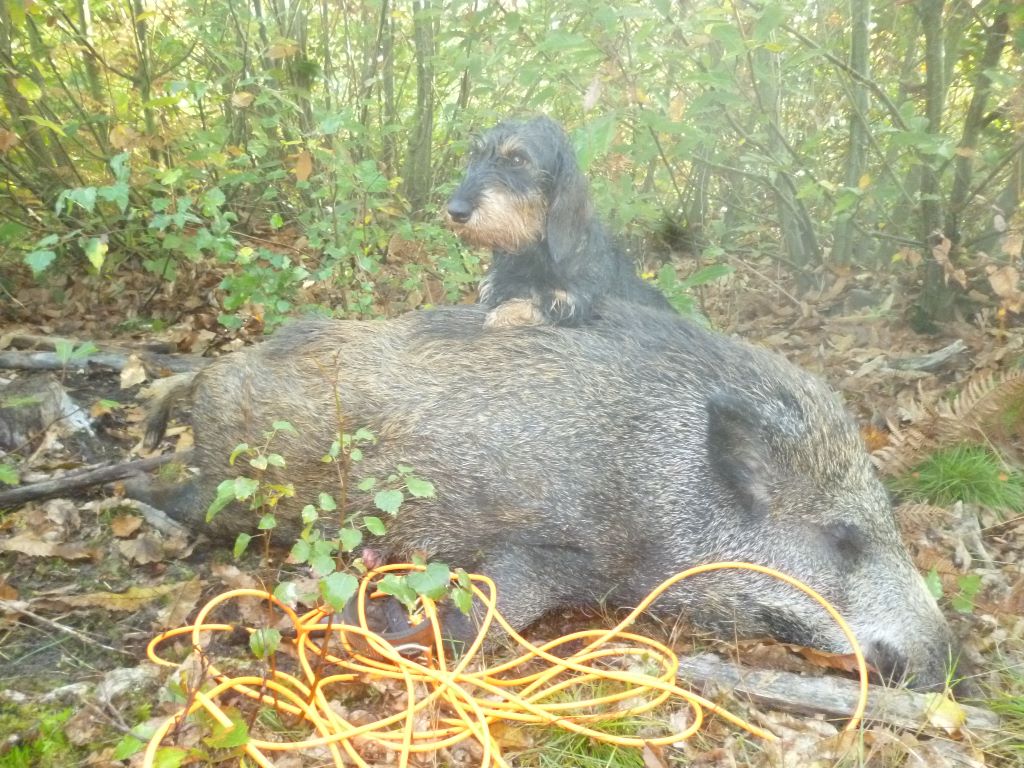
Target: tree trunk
x=418 y=162
x=798 y=236
x=847 y=248
x=973 y=123
x=936 y=301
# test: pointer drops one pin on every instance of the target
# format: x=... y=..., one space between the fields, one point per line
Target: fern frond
x=966 y=418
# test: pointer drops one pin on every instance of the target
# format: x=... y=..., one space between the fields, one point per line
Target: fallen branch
x=831 y=696
x=49 y=361
x=36 y=342
x=928 y=362
x=76 y=481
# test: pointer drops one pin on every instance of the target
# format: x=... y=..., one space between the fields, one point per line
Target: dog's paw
x=561 y=308
x=514 y=312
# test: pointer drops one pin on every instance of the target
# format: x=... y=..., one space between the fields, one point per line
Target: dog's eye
x=515 y=159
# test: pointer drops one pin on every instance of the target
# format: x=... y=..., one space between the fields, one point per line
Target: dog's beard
x=504 y=222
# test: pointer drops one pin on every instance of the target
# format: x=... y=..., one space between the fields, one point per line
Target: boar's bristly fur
x=583 y=465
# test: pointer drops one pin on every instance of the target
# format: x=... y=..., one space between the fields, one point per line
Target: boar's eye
x=846 y=539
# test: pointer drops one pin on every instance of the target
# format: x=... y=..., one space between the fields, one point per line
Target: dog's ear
x=569 y=207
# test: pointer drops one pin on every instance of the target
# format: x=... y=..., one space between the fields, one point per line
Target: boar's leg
x=531 y=580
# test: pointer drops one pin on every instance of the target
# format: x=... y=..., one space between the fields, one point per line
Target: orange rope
x=464 y=704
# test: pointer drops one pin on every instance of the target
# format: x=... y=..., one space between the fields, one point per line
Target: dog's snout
x=460 y=209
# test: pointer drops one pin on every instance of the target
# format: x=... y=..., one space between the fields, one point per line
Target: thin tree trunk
x=936 y=302
x=798 y=236
x=973 y=123
x=848 y=248
x=418 y=161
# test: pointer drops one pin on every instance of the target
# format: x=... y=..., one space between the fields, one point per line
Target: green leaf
x=301 y=551
x=83 y=350
x=309 y=515
x=284 y=426
x=245 y=487
x=433 y=582
x=707 y=274
x=39 y=260
x=239 y=450
x=8 y=475
x=241 y=544
x=364 y=435
x=115 y=193
x=287 y=592
x=84 y=197
x=264 y=642
x=268 y=522
x=367 y=483
x=258 y=462
x=772 y=16
x=169 y=757
x=969 y=585
x=120 y=165
x=388 y=501
x=28 y=88
x=463 y=599
x=322 y=564
x=397 y=587
x=275 y=460
x=338 y=588
x=327 y=502
x=421 y=489
x=349 y=538
x=235 y=735
x=934 y=583
x=375 y=525
x=127 y=747
x=225 y=495
x=42 y=121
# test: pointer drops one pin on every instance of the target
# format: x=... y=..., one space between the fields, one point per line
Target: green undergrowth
x=973 y=474
x=555 y=747
x=41 y=739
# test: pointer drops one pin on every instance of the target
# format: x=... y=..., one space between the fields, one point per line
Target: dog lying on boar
x=587 y=465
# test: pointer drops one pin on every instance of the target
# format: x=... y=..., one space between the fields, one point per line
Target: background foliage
x=301 y=150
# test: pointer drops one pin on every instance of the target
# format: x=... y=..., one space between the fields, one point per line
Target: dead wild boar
x=587 y=465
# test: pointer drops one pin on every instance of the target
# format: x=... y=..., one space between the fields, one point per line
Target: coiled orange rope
x=463 y=703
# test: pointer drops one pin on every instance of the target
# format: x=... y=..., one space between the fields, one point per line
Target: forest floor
x=87 y=581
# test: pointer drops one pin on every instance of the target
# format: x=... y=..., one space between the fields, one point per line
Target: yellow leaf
x=944 y=713
x=241 y=99
x=27 y=88
x=864 y=181
x=303 y=165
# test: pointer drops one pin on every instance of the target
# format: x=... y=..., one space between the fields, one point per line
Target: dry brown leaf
x=124 y=526
x=145 y=549
x=125 y=137
x=282 y=49
x=179 y=609
x=130 y=600
x=133 y=372
x=940 y=252
x=33 y=547
x=8 y=140
x=654 y=757
x=303 y=165
x=1005 y=281
x=842 y=662
x=7 y=592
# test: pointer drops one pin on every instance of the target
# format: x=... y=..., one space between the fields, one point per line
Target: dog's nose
x=460 y=209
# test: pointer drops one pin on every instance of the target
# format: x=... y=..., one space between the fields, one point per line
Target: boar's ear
x=737 y=450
